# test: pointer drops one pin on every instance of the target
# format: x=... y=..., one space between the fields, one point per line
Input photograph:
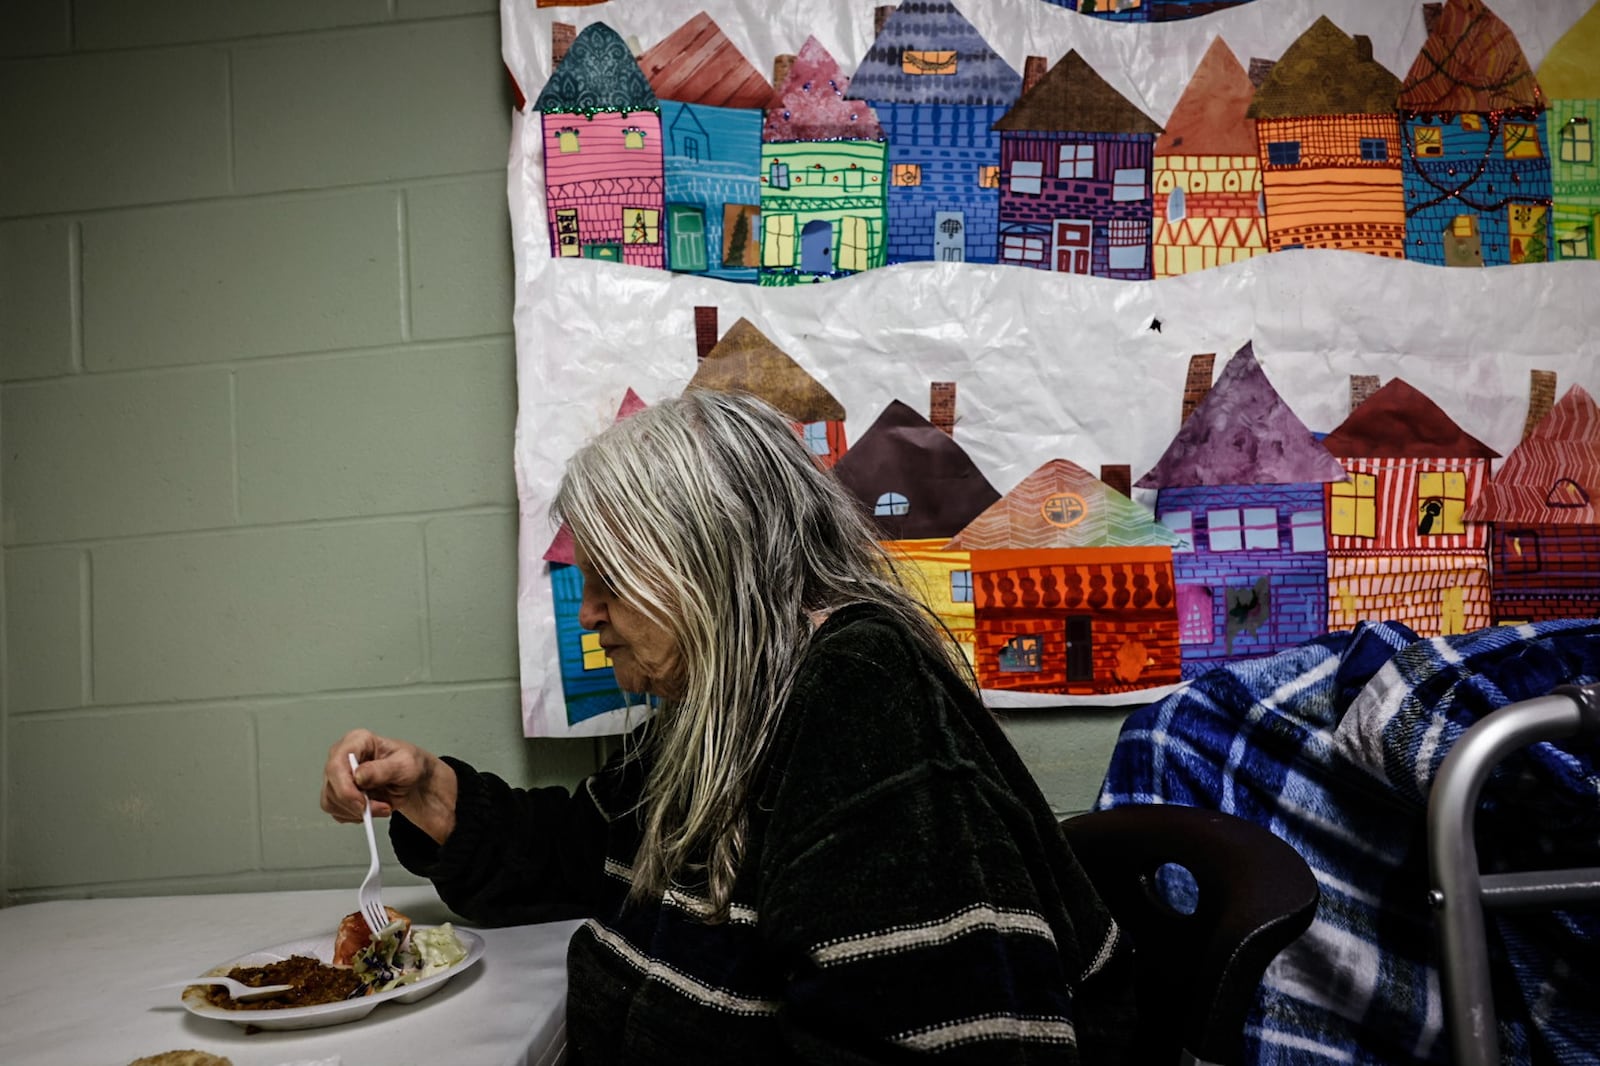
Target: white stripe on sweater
x=911 y=937
x=709 y=995
x=699 y=906
x=1054 y=1030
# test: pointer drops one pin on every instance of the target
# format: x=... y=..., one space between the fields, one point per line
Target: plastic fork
x=237 y=989
x=371 y=893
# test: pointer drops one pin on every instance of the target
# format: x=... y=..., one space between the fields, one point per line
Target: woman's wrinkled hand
x=396 y=775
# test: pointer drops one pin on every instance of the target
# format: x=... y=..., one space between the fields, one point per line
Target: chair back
x=1200 y=951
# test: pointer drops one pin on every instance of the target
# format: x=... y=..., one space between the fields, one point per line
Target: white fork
x=371 y=893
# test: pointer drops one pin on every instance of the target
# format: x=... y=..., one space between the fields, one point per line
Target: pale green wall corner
x=256 y=406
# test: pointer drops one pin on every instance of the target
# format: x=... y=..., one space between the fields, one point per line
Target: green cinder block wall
x=257 y=393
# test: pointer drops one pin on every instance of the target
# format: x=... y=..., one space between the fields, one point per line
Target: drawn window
x=1305 y=532
x=777 y=240
x=594 y=656
x=1429 y=141
x=1021 y=248
x=1177 y=206
x=1195 y=624
x=1283 y=153
x=1464 y=226
x=925 y=62
x=641 y=225
x=778 y=175
x=1575 y=244
x=1261 y=528
x=691 y=148
x=1181 y=523
x=815 y=434
x=1374 y=149
x=1225 y=529
x=1022 y=655
x=1566 y=493
x=961 y=586
x=906 y=174
x=1522 y=141
x=1355 y=506
x=891 y=503
x=1075 y=161
x=1026 y=175
x=988 y=177
x=855 y=178
x=567 y=231
x=1080 y=648
x=1441 y=501
x=568 y=140
x=1577 y=141
x=1128 y=244
x=1128 y=184
x=852 y=243
x=633 y=137
x=1472 y=122
x=1521 y=555
x=741 y=235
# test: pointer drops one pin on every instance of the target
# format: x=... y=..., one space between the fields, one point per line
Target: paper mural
x=1250 y=182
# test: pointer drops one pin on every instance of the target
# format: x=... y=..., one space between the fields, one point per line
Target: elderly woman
x=820 y=848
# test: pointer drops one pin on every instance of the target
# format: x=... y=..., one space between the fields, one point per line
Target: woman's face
x=643 y=655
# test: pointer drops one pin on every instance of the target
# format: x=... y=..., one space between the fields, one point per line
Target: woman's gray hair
x=708 y=515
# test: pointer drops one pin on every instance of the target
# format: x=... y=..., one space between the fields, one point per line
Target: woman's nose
x=590 y=612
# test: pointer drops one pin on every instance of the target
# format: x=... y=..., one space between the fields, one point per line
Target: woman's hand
x=396 y=776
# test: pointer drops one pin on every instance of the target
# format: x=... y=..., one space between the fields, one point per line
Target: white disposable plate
x=349 y=1010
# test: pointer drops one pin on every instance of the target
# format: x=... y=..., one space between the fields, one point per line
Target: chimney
x=880 y=15
x=1363 y=47
x=942 y=406
x=705 y=331
x=1259 y=69
x=1541 y=397
x=1362 y=386
x=1033 y=69
x=1118 y=476
x=1197 y=384
x=780 y=70
x=562 y=34
x=1430 y=16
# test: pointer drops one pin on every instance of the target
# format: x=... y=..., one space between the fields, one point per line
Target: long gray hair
x=708 y=515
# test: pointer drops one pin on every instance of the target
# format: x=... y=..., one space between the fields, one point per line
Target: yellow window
x=1354 y=506
x=852 y=243
x=1522 y=141
x=1430 y=141
x=907 y=174
x=1463 y=226
x=988 y=177
x=922 y=62
x=1441 y=501
x=633 y=137
x=594 y=656
x=1577 y=141
x=1472 y=122
x=641 y=225
x=777 y=240
x=569 y=140
x=567 y=231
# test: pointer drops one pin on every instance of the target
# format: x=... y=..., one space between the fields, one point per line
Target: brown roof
x=1326 y=72
x=1547 y=477
x=1397 y=421
x=1471 y=62
x=1211 y=117
x=697 y=64
x=744 y=360
x=1071 y=97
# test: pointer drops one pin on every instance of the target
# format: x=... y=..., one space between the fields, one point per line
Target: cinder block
x=472 y=596
x=123 y=796
x=377 y=104
x=117 y=24
x=38 y=27
x=403 y=431
x=461 y=271
x=245 y=278
x=44 y=629
x=99 y=130
x=93 y=457
x=481 y=726
x=36 y=309
x=269 y=611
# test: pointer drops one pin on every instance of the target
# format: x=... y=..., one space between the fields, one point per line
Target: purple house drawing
x=1242 y=485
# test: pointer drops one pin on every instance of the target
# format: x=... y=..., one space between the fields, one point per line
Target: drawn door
x=1462 y=246
x=688 y=225
x=1452 y=612
x=1074 y=239
x=1080 y=649
x=1525 y=224
x=950 y=237
x=816 y=247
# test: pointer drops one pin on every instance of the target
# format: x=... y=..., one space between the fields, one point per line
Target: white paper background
x=1047 y=365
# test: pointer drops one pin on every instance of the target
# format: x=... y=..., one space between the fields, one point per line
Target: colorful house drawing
x=921 y=488
x=1209 y=208
x=1542 y=502
x=823 y=211
x=744 y=360
x=1474 y=157
x=1241 y=485
x=588 y=683
x=1146 y=10
x=1072 y=588
x=711 y=114
x=602 y=153
x=938 y=88
x=1399 y=545
x=1570 y=77
x=1075 y=159
x=1329 y=147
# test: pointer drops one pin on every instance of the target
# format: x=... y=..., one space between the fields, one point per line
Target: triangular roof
x=598 y=73
x=562 y=548
x=1399 y=422
x=1546 y=478
x=1073 y=97
x=887 y=75
x=744 y=360
x=1326 y=72
x=811 y=105
x=1471 y=62
x=905 y=453
x=1211 y=116
x=1569 y=70
x=697 y=64
x=1243 y=433
x=1095 y=515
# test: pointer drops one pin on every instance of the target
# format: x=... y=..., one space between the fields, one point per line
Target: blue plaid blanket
x=1333 y=746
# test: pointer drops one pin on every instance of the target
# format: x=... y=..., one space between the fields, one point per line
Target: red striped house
x=1400 y=546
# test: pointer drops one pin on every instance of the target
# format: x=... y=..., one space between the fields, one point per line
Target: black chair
x=1198 y=971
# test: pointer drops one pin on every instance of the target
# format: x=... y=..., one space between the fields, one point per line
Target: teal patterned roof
x=598 y=73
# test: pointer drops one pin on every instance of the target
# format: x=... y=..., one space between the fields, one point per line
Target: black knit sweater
x=905 y=890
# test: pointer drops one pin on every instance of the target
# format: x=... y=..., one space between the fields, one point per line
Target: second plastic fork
x=371 y=893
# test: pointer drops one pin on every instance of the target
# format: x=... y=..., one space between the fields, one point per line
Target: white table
x=59 y=961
